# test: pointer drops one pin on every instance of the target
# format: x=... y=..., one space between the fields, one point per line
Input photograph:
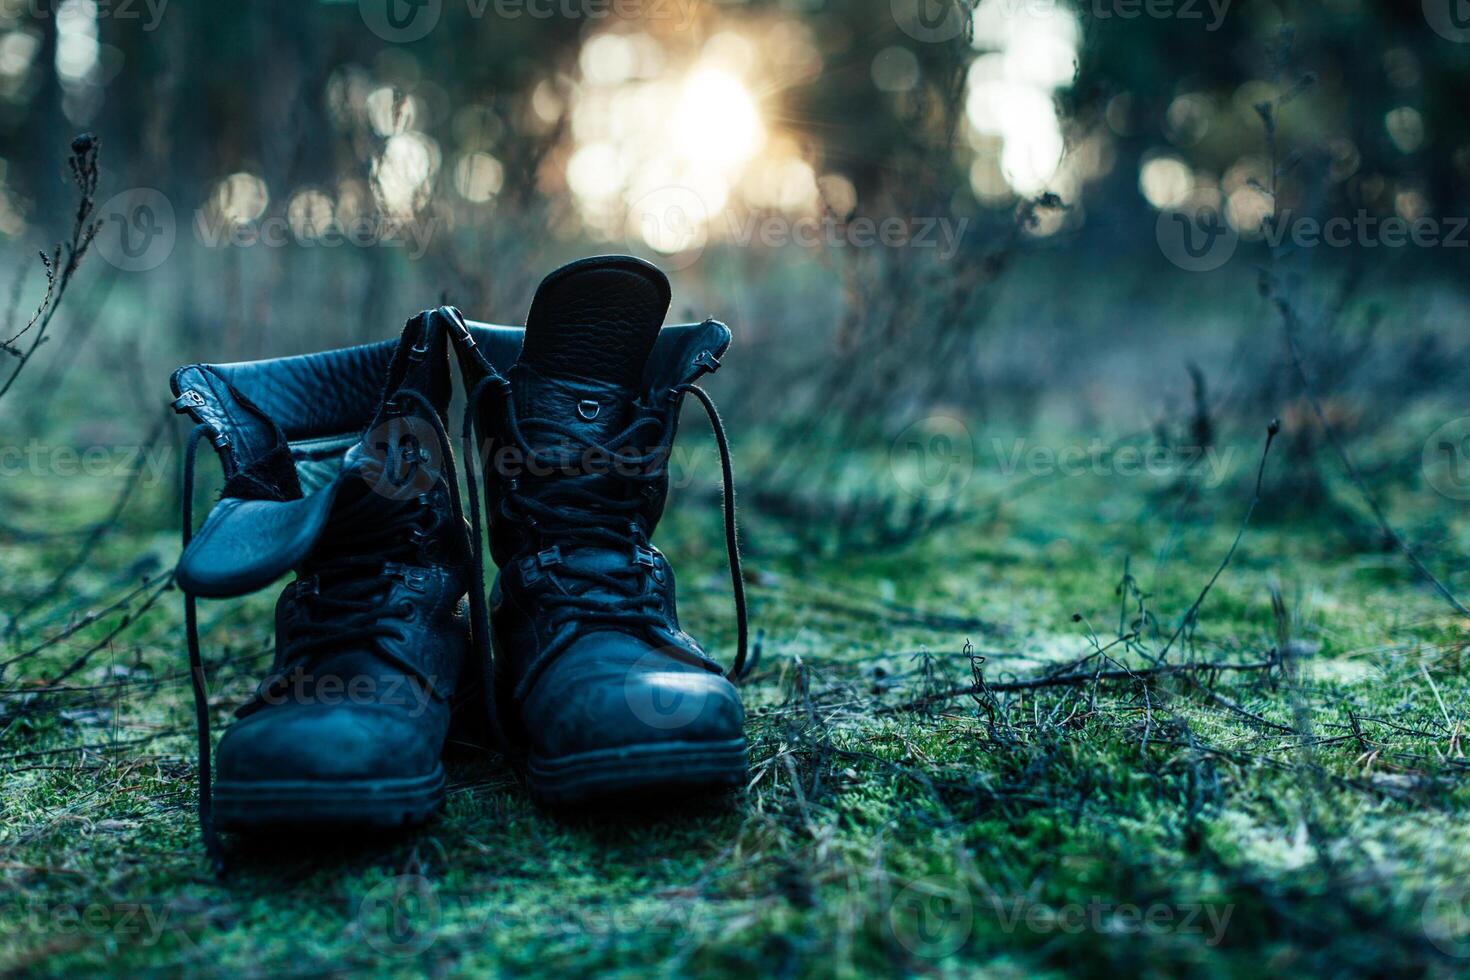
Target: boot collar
x=683 y=353
x=259 y=413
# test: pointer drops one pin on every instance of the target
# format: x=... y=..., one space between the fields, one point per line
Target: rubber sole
x=368 y=804
x=659 y=769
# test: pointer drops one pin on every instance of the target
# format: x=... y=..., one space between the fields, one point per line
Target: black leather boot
x=349 y=727
x=600 y=693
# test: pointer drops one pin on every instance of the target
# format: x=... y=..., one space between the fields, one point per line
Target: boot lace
x=341 y=597
x=342 y=609
x=579 y=510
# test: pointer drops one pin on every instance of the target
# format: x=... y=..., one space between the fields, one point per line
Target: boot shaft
x=302 y=439
x=586 y=405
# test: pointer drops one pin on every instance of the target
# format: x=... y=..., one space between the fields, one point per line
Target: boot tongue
x=589 y=333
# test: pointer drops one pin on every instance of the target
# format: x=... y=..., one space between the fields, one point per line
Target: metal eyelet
x=189 y=399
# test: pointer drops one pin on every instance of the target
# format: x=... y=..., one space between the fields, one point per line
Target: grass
x=1306 y=817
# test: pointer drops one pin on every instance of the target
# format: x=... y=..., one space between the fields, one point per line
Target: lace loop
x=196 y=662
x=740 y=669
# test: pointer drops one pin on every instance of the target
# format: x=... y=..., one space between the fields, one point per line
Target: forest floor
x=976 y=749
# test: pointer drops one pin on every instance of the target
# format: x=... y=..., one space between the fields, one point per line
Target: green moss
x=1152 y=828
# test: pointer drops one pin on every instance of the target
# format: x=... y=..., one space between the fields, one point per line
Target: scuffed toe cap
x=316 y=742
x=610 y=690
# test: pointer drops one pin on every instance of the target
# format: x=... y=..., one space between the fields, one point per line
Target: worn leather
x=612 y=690
x=372 y=636
x=310 y=726
x=671 y=361
x=245 y=545
x=242 y=432
x=596 y=318
x=610 y=685
x=315 y=395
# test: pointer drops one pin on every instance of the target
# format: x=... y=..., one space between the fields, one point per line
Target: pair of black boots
x=339 y=466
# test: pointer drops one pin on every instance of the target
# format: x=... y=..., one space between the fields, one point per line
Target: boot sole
x=660 y=769
x=373 y=804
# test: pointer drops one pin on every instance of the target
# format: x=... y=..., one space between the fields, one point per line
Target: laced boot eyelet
x=532 y=565
x=645 y=558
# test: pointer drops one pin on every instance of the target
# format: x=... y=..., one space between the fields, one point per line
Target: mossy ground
x=1309 y=817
